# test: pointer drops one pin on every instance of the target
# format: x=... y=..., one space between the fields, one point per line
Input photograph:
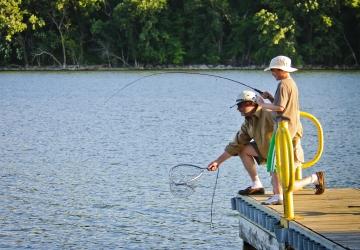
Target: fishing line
x=212 y=199
x=179 y=72
x=127 y=85
x=183 y=180
x=184 y=185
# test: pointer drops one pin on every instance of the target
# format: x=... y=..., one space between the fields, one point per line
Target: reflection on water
x=78 y=173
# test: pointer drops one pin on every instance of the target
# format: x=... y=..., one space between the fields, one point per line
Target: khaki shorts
x=259 y=160
x=298 y=150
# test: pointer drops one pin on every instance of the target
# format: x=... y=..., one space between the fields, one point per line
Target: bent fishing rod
x=179 y=72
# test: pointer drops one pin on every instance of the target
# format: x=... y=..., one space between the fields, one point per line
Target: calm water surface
x=80 y=170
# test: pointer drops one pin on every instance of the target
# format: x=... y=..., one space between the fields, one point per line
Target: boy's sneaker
x=273 y=200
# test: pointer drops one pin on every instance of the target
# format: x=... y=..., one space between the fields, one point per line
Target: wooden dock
x=327 y=221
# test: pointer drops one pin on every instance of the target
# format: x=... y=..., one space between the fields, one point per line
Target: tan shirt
x=287 y=96
x=259 y=128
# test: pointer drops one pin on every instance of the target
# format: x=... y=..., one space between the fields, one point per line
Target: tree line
x=133 y=33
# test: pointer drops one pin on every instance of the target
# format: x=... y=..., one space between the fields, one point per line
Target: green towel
x=270 y=161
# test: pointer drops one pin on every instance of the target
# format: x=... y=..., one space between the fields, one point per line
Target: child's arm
x=269 y=106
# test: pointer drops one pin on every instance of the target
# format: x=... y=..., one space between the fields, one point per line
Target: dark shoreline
x=167 y=68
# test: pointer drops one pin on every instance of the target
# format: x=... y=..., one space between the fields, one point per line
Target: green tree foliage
x=163 y=32
x=11 y=18
x=318 y=31
x=275 y=35
x=14 y=20
x=138 y=32
x=349 y=18
x=204 y=33
x=240 y=39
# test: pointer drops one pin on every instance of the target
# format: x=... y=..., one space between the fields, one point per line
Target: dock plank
x=334 y=215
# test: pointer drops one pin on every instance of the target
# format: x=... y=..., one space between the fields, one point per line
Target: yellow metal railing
x=320 y=135
x=285 y=161
x=285 y=166
x=320 y=147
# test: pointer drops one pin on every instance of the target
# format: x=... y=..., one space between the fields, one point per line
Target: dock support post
x=257 y=237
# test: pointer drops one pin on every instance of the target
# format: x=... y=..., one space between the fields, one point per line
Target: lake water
x=80 y=170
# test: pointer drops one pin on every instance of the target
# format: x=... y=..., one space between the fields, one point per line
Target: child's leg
x=317 y=179
x=277 y=198
x=276 y=183
x=299 y=184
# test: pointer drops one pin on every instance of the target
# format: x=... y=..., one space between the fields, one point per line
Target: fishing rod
x=179 y=72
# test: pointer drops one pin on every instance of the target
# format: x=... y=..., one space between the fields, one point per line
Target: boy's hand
x=267 y=95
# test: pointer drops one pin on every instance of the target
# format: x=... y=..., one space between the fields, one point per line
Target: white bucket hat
x=281 y=62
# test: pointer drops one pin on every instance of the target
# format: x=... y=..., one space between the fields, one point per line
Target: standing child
x=285 y=105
